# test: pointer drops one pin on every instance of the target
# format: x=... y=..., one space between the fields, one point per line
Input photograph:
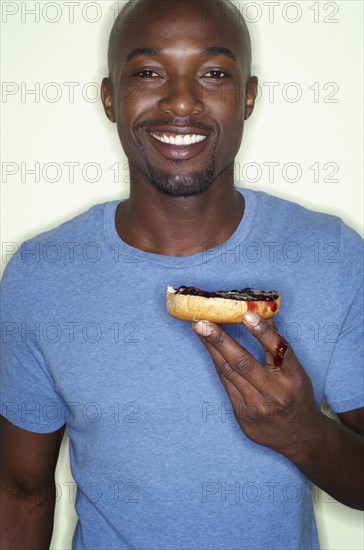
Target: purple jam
x=246 y=294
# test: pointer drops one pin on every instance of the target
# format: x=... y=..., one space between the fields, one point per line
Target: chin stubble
x=180 y=185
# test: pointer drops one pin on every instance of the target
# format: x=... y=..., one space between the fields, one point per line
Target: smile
x=177 y=139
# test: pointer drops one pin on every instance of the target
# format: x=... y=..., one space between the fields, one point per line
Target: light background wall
x=60 y=155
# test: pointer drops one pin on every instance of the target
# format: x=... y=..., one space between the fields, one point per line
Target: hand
x=274 y=405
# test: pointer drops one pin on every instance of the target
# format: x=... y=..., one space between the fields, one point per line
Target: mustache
x=189 y=122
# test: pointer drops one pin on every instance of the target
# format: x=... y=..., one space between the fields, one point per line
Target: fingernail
x=203 y=328
x=251 y=318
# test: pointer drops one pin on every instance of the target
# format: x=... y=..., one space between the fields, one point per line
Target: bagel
x=189 y=303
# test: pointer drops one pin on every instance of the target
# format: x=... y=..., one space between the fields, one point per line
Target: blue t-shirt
x=158 y=456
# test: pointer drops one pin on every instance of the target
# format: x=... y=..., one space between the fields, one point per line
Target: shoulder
x=318 y=248
x=84 y=225
x=59 y=247
x=293 y=220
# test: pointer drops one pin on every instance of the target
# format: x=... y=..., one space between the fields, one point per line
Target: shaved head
x=223 y=10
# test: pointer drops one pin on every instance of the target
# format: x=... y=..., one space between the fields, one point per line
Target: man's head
x=224 y=10
x=179 y=89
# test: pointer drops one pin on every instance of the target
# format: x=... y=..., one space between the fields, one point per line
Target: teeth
x=173 y=139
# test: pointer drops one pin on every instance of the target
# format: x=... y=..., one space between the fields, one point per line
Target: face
x=180 y=96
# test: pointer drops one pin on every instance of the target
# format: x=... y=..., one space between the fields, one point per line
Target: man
x=159 y=458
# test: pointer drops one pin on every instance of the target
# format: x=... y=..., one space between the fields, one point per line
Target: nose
x=181 y=98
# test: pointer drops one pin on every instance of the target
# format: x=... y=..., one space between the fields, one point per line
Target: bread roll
x=193 y=304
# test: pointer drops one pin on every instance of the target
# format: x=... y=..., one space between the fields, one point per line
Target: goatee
x=182 y=185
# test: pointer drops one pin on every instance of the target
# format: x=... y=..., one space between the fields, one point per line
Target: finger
x=229 y=377
x=245 y=404
x=238 y=403
x=268 y=356
x=277 y=348
x=234 y=355
x=225 y=374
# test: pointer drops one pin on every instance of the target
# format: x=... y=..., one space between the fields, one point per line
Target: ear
x=250 y=95
x=108 y=99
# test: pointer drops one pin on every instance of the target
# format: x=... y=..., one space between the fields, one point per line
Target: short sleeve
x=344 y=388
x=28 y=396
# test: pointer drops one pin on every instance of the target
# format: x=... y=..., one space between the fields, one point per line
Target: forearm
x=26 y=517
x=334 y=461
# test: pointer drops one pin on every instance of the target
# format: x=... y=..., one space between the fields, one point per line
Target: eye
x=216 y=74
x=147 y=73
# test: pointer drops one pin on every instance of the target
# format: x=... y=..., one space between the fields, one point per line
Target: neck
x=179 y=226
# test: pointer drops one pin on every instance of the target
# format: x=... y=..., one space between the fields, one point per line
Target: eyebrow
x=213 y=50
x=143 y=51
